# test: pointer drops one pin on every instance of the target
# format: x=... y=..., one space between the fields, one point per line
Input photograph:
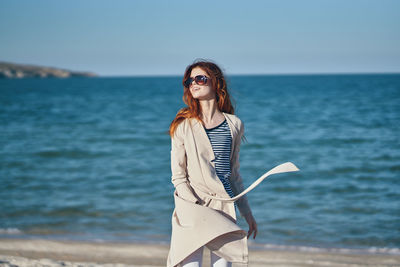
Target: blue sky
x=118 y=38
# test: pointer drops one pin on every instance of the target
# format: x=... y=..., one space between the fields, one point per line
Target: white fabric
x=196 y=260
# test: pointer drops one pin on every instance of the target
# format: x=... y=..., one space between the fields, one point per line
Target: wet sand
x=40 y=252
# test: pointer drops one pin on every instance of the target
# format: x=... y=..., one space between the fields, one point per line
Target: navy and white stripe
x=221 y=141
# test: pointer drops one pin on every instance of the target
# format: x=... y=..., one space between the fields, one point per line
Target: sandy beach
x=40 y=252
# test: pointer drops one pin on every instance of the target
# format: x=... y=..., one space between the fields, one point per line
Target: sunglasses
x=199 y=80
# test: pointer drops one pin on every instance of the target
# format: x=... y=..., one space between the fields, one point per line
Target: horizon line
x=255 y=74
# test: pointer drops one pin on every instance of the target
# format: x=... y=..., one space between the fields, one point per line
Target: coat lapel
x=234 y=131
x=203 y=144
x=205 y=147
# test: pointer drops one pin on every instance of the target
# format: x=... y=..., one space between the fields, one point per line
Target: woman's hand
x=252 y=225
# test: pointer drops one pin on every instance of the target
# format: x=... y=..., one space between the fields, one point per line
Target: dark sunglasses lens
x=200 y=79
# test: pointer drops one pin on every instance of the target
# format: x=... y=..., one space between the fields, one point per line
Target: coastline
x=45 y=252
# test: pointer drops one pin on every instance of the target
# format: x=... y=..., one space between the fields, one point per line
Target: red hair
x=193 y=108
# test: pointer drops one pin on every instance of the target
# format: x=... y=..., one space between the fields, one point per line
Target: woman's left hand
x=252 y=225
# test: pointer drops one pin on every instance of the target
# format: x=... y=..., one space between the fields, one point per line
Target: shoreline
x=251 y=244
x=46 y=252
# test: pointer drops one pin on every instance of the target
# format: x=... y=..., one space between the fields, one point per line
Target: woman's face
x=201 y=92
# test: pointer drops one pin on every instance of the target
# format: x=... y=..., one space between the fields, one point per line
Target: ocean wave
x=10 y=231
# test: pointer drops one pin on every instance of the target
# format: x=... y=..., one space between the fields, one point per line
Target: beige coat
x=198 y=218
x=197 y=224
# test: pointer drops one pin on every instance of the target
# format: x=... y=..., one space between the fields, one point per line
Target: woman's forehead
x=197 y=71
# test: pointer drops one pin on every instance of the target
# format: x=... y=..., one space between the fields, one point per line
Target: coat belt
x=281 y=168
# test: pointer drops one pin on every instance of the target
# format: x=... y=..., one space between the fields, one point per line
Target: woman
x=205 y=144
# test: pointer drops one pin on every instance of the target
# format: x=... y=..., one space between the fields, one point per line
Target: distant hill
x=12 y=70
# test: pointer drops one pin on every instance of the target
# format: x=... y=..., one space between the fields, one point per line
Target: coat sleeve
x=236 y=179
x=178 y=167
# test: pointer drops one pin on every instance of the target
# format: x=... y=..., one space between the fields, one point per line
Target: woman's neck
x=210 y=112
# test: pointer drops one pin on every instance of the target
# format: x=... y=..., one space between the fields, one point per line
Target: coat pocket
x=186 y=192
x=204 y=200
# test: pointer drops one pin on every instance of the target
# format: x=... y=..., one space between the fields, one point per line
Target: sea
x=89 y=159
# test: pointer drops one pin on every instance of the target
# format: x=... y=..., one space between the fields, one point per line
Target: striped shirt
x=221 y=141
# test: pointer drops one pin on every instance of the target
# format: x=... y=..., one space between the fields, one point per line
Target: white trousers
x=195 y=260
